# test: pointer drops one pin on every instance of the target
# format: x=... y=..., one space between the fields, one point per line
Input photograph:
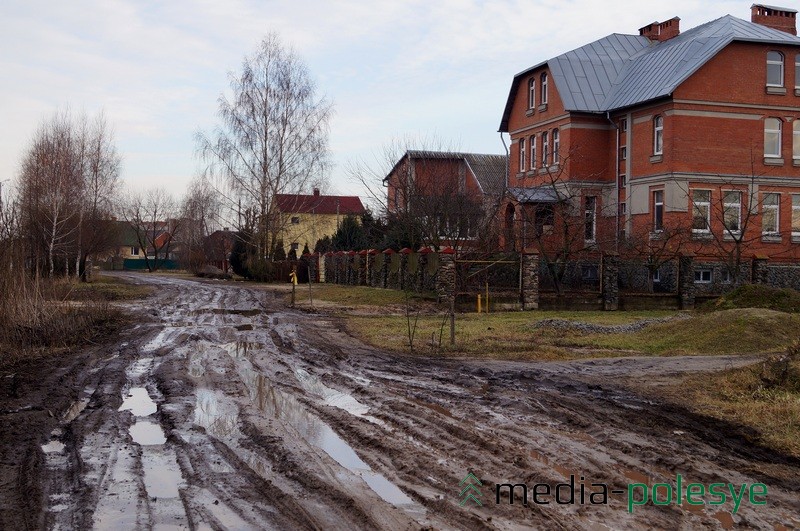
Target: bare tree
x=154 y=218
x=201 y=210
x=272 y=139
x=654 y=249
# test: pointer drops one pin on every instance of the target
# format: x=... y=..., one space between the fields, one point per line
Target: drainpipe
x=616 y=182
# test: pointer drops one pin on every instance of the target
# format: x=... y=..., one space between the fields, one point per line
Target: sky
x=393 y=69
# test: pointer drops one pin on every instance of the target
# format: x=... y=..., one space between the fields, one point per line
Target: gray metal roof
x=622 y=70
x=776 y=8
x=539 y=194
x=489 y=170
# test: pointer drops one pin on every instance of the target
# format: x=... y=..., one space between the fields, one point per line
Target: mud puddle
x=138 y=402
x=334 y=398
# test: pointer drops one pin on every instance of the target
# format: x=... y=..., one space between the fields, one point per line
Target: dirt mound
x=757 y=296
x=592 y=328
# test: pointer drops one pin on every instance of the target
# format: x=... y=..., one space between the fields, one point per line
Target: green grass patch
x=102 y=287
x=358 y=296
x=757 y=296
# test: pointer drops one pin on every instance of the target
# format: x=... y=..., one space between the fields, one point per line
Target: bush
x=757 y=296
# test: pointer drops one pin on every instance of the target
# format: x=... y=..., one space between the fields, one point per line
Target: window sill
x=702 y=236
x=657 y=234
x=797 y=91
x=553 y=167
x=656 y=158
x=773 y=161
x=776 y=90
x=796 y=162
x=542 y=107
x=728 y=237
x=795 y=238
x=544 y=170
x=530 y=112
x=771 y=238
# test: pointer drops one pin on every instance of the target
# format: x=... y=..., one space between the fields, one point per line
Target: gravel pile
x=591 y=328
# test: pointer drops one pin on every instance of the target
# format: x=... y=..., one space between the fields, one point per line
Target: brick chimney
x=779 y=18
x=662 y=31
x=316 y=192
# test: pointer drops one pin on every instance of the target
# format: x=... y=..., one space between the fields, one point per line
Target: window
x=590 y=214
x=295 y=246
x=774 y=69
x=725 y=276
x=701 y=211
x=134 y=251
x=770 y=211
x=533 y=152
x=521 y=155
x=545 y=148
x=555 y=146
x=531 y=93
x=795 y=217
x=732 y=211
x=772 y=137
x=623 y=124
x=702 y=275
x=796 y=140
x=544 y=88
x=797 y=71
x=296 y=219
x=658 y=210
x=623 y=180
x=658 y=135
x=657 y=276
x=623 y=153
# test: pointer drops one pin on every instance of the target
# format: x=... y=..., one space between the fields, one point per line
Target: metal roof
x=622 y=70
x=539 y=194
x=489 y=170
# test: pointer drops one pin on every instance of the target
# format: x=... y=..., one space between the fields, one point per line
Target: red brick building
x=662 y=133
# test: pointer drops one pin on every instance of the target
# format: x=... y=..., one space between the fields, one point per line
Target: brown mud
x=223 y=409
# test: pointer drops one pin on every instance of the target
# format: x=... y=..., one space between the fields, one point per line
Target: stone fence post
x=529 y=281
x=363 y=267
x=686 y=289
x=610 y=281
x=446 y=276
x=387 y=264
x=403 y=272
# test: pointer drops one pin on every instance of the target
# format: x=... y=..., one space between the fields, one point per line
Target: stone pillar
x=422 y=268
x=446 y=276
x=351 y=268
x=341 y=264
x=529 y=281
x=387 y=264
x=686 y=282
x=403 y=276
x=363 y=267
x=760 y=270
x=610 y=281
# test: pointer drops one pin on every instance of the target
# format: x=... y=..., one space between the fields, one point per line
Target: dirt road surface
x=223 y=409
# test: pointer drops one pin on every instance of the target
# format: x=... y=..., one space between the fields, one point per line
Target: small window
x=296 y=219
x=521 y=155
x=796 y=140
x=732 y=211
x=623 y=180
x=772 y=137
x=623 y=153
x=623 y=124
x=533 y=151
x=555 y=146
x=295 y=246
x=795 y=216
x=590 y=272
x=134 y=251
x=702 y=275
x=590 y=217
x=725 y=276
x=770 y=214
x=531 y=93
x=701 y=211
x=774 y=69
x=658 y=210
x=657 y=276
x=544 y=88
x=658 y=135
x=545 y=148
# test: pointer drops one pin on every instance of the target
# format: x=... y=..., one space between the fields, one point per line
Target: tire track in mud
x=277 y=419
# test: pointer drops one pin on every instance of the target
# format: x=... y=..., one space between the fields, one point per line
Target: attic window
x=544 y=88
x=774 y=69
x=532 y=93
x=295 y=220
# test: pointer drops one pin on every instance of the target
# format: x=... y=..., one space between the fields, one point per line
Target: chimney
x=779 y=18
x=662 y=31
x=316 y=192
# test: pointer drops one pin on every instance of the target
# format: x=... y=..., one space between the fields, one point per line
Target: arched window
x=531 y=93
x=544 y=88
x=555 y=146
x=658 y=135
x=774 y=69
x=796 y=140
x=533 y=151
x=521 y=155
x=772 y=137
x=797 y=71
x=545 y=149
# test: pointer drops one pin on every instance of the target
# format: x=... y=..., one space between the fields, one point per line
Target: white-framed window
x=545 y=148
x=772 y=137
x=774 y=69
x=544 y=88
x=701 y=211
x=555 y=146
x=657 y=276
x=770 y=213
x=623 y=180
x=796 y=140
x=134 y=251
x=590 y=217
x=623 y=153
x=533 y=151
x=732 y=211
x=295 y=220
x=702 y=275
x=521 y=155
x=797 y=71
x=658 y=135
x=795 y=216
x=532 y=93
x=725 y=276
x=658 y=210
x=623 y=124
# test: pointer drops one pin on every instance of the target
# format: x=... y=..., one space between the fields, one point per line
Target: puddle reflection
x=138 y=402
x=147 y=433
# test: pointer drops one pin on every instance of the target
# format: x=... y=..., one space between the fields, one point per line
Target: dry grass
x=361 y=298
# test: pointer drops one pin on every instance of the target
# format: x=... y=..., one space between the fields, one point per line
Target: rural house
x=664 y=135
x=450 y=195
x=308 y=218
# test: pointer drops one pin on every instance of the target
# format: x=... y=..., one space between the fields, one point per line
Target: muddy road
x=222 y=409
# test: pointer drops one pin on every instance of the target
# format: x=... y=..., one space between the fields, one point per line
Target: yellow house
x=307 y=218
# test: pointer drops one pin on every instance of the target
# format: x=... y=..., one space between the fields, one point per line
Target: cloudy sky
x=393 y=69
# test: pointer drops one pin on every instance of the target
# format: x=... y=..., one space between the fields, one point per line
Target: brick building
x=692 y=135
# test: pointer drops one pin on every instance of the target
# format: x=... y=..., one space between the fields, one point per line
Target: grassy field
x=101 y=287
x=356 y=297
